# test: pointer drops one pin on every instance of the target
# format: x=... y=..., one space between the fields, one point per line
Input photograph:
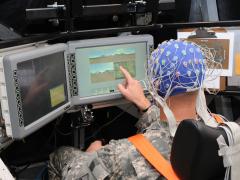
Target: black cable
x=106 y=124
x=59 y=131
x=62 y=133
x=58 y=120
x=21 y=170
x=42 y=147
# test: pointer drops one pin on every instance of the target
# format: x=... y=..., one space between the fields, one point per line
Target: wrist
x=144 y=105
x=145 y=110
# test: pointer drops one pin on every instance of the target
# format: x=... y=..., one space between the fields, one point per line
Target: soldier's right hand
x=132 y=90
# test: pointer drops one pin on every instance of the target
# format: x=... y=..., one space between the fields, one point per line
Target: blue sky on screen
x=101 y=67
x=112 y=51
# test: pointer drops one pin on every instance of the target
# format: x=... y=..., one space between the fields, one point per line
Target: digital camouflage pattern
x=119 y=160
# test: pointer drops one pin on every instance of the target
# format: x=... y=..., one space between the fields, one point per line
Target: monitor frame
x=73 y=45
x=17 y=130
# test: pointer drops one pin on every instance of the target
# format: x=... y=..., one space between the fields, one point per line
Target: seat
x=194 y=154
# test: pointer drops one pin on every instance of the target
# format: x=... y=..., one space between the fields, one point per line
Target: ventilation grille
x=72 y=75
x=18 y=98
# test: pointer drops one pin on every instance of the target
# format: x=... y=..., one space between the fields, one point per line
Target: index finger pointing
x=126 y=74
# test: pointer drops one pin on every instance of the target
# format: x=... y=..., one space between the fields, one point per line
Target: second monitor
x=94 y=65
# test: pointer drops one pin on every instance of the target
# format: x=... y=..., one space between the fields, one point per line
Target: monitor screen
x=98 y=67
x=94 y=66
x=43 y=87
x=37 y=88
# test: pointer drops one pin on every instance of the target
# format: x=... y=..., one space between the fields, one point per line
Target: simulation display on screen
x=43 y=85
x=98 y=67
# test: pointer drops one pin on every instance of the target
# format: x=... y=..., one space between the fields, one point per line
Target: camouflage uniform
x=117 y=160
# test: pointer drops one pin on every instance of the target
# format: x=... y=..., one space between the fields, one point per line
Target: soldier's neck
x=182 y=106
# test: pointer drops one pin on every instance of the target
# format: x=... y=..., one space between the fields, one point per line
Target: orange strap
x=153 y=156
x=217 y=118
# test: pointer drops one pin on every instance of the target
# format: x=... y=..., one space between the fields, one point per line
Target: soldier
x=176 y=71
